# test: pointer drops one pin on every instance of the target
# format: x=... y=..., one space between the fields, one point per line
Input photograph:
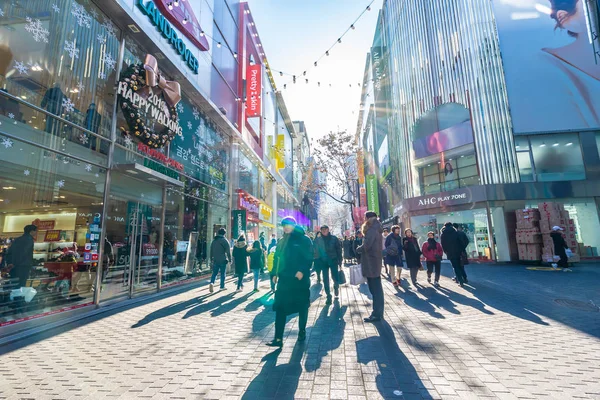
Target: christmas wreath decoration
x=145 y=83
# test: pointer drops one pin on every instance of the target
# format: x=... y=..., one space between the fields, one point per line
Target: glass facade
x=443 y=58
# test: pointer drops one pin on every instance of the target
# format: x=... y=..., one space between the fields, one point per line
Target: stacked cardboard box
x=528 y=235
x=554 y=214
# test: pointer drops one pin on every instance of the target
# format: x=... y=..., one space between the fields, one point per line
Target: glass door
x=144 y=225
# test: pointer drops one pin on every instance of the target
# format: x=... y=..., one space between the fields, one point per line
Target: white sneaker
x=567 y=270
x=211 y=288
x=554 y=265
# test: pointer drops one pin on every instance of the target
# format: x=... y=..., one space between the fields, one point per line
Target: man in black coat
x=464 y=241
x=291 y=267
x=19 y=257
x=453 y=246
x=220 y=255
x=329 y=250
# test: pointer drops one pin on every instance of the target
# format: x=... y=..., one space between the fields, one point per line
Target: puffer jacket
x=430 y=254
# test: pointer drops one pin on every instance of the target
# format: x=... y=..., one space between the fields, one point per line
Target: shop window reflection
x=557 y=157
x=449 y=175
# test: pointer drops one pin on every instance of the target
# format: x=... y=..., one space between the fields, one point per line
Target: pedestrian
x=240 y=258
x=352 y=249
x=19 y=257
x=358 y=241
x=393 y=254
x=292 y=269
x=329 y=250
x=261 y=239
x=433 y=253
x=272 y=244
x=270 y=263
x=386 y=233
x=560 y=247
x=464 y=257
x=371 y=255
x=412 y=253
x=316 y=265
x=453 y=246
x=347 y=249
x=220 y=256
x=257 y=261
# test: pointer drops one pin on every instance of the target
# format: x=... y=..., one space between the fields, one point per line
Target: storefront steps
x=50 y=325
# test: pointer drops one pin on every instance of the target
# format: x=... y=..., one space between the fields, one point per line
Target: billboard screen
x=552 y=72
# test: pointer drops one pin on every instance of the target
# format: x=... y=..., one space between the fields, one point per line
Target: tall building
x=131 y=132
x=493 y=107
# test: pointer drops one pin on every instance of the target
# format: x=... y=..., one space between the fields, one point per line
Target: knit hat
x=288 y=221
x=370 y=214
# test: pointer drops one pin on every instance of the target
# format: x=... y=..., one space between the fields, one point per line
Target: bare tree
x=335 y=158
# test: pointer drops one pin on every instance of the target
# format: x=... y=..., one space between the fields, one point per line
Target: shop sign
x=468 y=195
x=239 y=223
x=170 y=33
x=373 y=193
x=363 y=196
x=245 y=203
x=87 y=257
x=52 y=236
x=157 y=155
x=266 y=213
x=94 y=256
x=44 y=225
x=280 y=152
x=149 y=250
x=360 y=160
x=154 y=166
x=253 y=90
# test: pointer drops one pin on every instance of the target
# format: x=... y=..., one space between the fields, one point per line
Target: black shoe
x=466 y=280
x=372 y=319
x=276 y=343
x=336 y=291
x=328 y=302
x=301 y=336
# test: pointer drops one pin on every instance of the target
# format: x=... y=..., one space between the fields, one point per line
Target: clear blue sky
x=295 y=33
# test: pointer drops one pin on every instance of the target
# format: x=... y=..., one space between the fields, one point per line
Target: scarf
x=432 y=244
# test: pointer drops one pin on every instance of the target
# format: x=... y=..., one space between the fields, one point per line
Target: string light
x=176 y=3
x=339 y=40
x=235 y=55
x=170 y=5
x=219 y=44
x=185 y=20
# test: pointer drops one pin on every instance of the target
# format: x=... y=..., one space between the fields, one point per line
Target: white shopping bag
x=569 y=253
x=356 y=276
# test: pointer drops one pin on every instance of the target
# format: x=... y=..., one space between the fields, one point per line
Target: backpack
x=392 y=249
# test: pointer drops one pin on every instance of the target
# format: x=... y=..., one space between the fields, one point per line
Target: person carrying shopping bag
x=433 y=253
x=257 y=261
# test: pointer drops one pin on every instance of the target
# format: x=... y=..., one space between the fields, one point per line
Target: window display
x=62 y=198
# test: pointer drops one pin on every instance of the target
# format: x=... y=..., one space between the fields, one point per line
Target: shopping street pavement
x=513 y=333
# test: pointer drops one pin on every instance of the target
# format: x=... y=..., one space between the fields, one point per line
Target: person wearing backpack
x=433 y=252
x=393 y=254
x=257 y=261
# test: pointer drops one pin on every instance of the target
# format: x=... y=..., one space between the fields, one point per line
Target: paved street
x=513 y=333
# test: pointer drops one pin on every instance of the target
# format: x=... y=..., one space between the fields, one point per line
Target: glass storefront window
x=62 y=196
x=61 y=59
x=557 y=157
x=248 y=175
x=449 y=174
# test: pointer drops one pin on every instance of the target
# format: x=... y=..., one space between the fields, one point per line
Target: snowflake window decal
x=68 y=105
x=7 y=143
x=108 y=61
x=82 y=16
x=72 y=49
x=83 y=138
x=37 y=30
x=22 y=68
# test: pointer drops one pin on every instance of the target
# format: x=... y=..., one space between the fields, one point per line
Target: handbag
x=438 y=257
x=569 y=253
x=356 y=276
x=341 y=277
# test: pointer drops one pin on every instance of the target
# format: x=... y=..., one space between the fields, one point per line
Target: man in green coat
x=293 y=259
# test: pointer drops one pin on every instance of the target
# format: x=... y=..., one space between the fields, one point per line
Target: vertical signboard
x=239 y=223
x=360 y=160
x=253 y=90
x=280 y=151
x=373 y=193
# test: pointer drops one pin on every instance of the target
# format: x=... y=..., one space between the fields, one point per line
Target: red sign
x=253 y=90
x=52 y=236
x=157 y=155
x=44 y=225
x=183 y=17
x=94 y=256
x=149 y=250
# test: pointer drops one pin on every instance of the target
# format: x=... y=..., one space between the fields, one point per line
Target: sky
x=295 y=33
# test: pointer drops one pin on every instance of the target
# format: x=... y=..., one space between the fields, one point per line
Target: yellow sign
x=360 y=160
x=266 y=212
x=280 y=152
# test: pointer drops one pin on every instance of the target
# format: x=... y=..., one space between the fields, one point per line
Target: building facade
x=475 y=130
x=131 y=131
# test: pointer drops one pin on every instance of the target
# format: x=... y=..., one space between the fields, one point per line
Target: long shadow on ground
x=277 y=381
x=326 y=335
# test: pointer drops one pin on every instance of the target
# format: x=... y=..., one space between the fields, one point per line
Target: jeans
x=438 y=269
x=240 y=284
x=377 y=292
x=256 y=273
x=281 y=318
x=327 y=271
x=459 y=269
x=216 y=269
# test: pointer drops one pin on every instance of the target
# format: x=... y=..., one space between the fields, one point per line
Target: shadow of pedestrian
x=364 y=289
x=171 y=310
x=315 y=291
x=413 y=300
x=392 y=369
x=328 y=332
x=230 y=305
x=277 y=381
x=467 y=301
x=208 y=306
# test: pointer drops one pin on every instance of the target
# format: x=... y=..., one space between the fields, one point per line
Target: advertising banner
x=552 y=71
x=373 y=193
x=239 y=223
x=360 y=161
x=253 y=90
x=280 y=151
x=443 y=140
x=52 y=236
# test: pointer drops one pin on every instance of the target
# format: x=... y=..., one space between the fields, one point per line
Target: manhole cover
x=578 y=305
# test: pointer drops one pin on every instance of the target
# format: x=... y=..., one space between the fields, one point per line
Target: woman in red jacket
x=432 y=251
